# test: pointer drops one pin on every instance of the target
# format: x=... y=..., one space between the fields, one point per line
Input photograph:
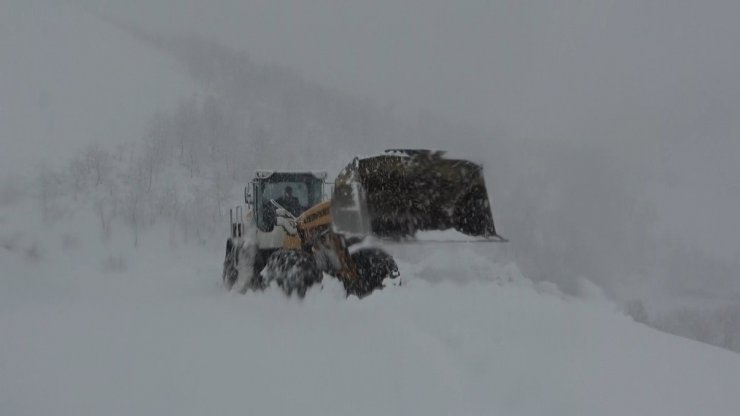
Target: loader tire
x=292 y=270
x=230 y=273
x=472 y=215
x=240 y=266
x=373 y=266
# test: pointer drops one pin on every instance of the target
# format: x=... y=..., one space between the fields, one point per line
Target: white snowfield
x=105 y=329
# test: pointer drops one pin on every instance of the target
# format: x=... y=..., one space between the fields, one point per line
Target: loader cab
x=307 y=189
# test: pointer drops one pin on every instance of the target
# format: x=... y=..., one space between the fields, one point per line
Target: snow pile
x=90 y=328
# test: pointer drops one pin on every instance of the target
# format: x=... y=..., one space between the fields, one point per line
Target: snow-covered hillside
x=91 y=328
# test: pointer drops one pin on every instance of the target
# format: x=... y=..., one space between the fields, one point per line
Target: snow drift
x=109 y=329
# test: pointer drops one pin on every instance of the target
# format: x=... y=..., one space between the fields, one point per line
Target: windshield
x=294 y=192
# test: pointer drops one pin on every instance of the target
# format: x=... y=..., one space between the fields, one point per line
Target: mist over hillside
x=69 y=79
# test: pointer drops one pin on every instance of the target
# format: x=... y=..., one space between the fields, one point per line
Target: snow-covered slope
x=91 y=328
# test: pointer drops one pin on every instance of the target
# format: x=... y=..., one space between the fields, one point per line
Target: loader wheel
x=230 y=273
x=473 y=213
x=373 y=266
x=240 y=263
x=293 y=270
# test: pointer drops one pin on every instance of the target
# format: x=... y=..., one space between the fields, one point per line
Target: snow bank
x=91 y=328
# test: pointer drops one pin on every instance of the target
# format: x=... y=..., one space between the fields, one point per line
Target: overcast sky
x=568 y=69
x=627 y=71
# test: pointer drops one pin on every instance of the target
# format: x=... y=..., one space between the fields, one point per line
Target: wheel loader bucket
x=401 y=192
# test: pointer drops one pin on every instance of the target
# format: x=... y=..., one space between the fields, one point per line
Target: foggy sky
x=570 y=69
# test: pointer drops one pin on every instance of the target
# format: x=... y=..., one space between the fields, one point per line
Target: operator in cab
x=290 y=202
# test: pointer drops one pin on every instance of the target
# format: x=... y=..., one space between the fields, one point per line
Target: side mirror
x=248 y=195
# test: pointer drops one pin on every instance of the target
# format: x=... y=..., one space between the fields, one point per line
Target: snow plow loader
x=292 y=235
